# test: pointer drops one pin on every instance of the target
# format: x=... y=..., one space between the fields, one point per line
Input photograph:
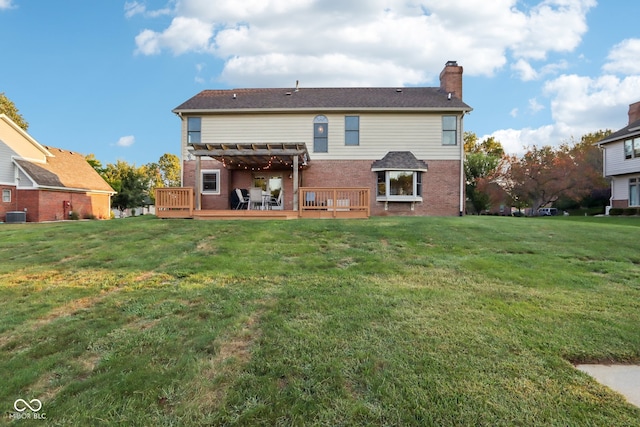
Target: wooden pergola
x=263 y=156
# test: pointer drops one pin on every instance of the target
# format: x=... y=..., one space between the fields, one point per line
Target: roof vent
x=235 y=96
x=288 y=93
x=399 y=90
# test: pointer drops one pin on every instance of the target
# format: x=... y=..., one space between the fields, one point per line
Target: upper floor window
x=6 y=196
x=211 y=181
x=320 y=134
x=351 y=130
x=632 y=148
x=193 y=130
x=449 y=130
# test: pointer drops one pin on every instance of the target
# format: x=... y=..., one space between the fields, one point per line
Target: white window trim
x=208 y=172
x=396 y=198
x=6 y=191
x=636 y=184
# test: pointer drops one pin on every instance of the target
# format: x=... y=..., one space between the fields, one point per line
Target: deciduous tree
x=9 y=108
x=481 y=162
x=164 y=173
x=129 y=182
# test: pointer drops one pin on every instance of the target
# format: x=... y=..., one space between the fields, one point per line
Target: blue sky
x=102 y=77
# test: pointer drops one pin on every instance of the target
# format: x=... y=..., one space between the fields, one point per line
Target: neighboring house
x=621 y=152
x=404 y=144
x=47 y=183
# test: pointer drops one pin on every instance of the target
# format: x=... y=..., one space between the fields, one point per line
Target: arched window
x=320 y=134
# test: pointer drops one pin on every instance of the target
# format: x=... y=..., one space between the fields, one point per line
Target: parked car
x=547 y=212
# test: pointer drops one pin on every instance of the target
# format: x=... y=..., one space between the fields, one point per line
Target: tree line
x=568 y=176
x=136 y=186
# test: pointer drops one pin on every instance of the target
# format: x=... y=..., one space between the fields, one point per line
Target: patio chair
x=276 y=202
x=255 y=198
x=243 y=201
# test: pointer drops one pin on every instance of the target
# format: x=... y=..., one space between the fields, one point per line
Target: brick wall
x=441 y=185
x=47 y=205
x=4 y=206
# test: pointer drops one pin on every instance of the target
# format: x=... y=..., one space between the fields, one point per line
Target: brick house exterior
x=330 y=137
x=47 y=183
x=621 y=161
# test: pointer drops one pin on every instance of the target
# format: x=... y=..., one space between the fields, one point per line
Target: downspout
x=462 y=186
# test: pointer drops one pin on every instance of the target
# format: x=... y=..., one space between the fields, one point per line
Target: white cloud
x=134 y=8
x=624 y=58
x=401 y=41
x=6 y=4
x=183 y=35
x=535 y=106
x=524 y=70
x=126 y=141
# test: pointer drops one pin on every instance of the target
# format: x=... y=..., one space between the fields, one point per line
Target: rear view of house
x=40 y=183
x=402 y=144
x=621 y=151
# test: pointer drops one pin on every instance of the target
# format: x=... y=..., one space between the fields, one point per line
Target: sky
x=101 y=77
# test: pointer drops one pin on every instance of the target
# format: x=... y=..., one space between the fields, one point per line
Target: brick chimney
x=634 y=112
x=451 y=79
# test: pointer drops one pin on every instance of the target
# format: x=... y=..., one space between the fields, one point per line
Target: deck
x=313 y=202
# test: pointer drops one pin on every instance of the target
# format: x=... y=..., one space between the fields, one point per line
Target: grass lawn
x=387 y=321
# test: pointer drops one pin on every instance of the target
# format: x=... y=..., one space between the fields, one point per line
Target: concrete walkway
x=625 y=379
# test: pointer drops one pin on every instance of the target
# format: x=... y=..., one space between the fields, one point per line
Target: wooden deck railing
x=325 y=202
x=174 y=202
x=313 y=202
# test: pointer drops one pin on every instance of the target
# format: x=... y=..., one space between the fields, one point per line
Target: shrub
x=74 y=215
x=629 y=211
x=615 y=211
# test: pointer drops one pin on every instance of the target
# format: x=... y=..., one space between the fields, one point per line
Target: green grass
x=386 y=321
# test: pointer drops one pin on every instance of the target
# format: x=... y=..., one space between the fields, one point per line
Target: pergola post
x=295 y=183
x=198 y=180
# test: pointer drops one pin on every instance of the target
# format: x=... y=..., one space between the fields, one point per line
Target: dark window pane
x=210 y=182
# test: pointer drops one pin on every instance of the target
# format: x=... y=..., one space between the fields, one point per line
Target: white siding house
x=621 y=160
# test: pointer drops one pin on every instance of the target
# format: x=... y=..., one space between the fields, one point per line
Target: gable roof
x=281 y=99
x=399 y=160
x=23 y=137
x=64 y=170
x=630 y=131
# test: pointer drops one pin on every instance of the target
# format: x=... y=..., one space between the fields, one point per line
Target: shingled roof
x=406 y=98
x=399 y=160
x=630 y=131
x=65 y=170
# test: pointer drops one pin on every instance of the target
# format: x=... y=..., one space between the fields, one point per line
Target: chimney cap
x=451 y=64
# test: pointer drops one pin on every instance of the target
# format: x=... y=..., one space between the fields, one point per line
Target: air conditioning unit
x=15 y=217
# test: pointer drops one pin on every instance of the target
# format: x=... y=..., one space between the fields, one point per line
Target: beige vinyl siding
x=379 y=133
x=21 y=145
x=615 y=163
